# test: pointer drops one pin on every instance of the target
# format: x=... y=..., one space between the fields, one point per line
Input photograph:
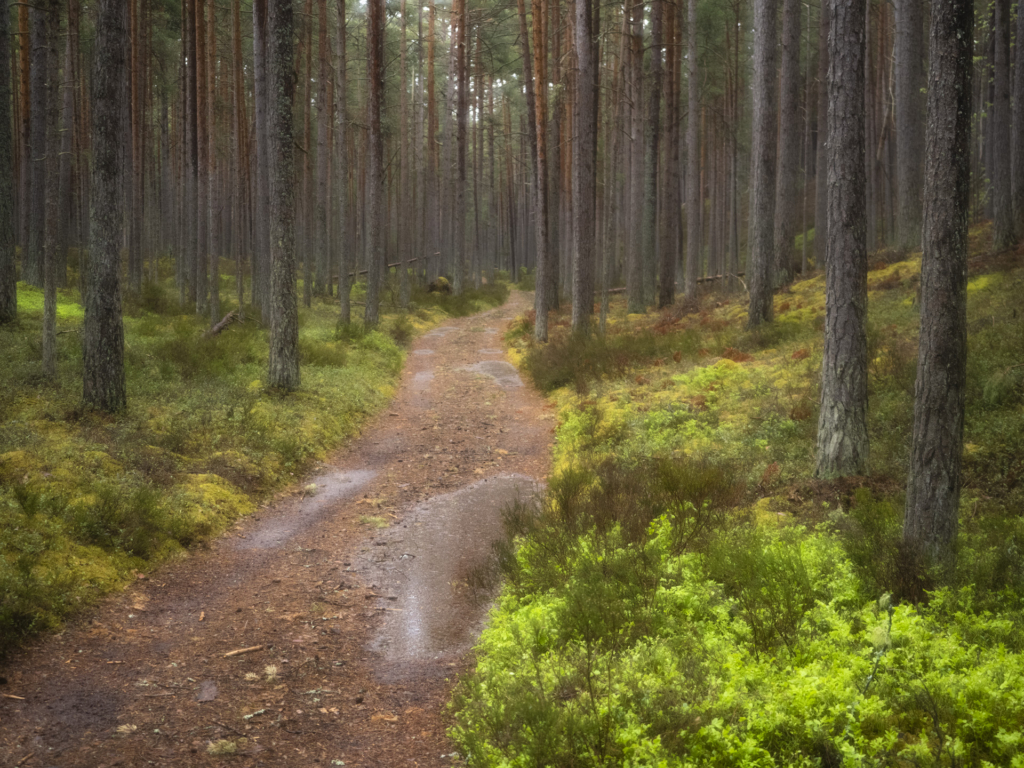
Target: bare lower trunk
x=284 y=313
x=103 y=332
x=1004 y=230
x=933 y=486
x=762 y=197
x=693 y=193
x=8 y=276
x=787 y=183
x=842 y=423
x=909 y=108
x=584 y=175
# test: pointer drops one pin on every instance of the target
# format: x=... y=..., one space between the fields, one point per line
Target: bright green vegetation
x=86 y=501
x=686 y=596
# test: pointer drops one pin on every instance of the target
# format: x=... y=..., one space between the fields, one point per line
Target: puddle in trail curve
x=490 y=351
x=421 y=380
x=426 y=563
x=504 y=374
x=298 y=514
x=423 y=352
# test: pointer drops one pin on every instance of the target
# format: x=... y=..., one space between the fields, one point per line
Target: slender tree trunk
x=668 y=249
x=8 y=274
x=584 y=171
x=345 y=249
x=67 y=151
x=540 y=117
x=842 y=424
x=135 y=206
x=284 y=311
x=933 y=485
x=103 y=331
x=634 y=259
x=693 y=193
x=203 y=155
x=375 y=182
x=787 y=183
x=910 y=122
x=404 y=192
x=1004 y=231
x=212 y=208
x=49 y=9
x=1018 y=124
x=261 y=197
x=190 y=290
x=25 y=134
x=32 y=265
x=652 y=149
x=821 y=161
x=323 y=157
x=762 y=172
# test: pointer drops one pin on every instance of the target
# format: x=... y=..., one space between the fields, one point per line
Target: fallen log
x=224 y=323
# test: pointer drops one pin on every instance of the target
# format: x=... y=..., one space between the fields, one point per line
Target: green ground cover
x=685 y=594
x=87 y=501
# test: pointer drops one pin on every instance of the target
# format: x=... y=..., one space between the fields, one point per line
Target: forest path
x=367 y=627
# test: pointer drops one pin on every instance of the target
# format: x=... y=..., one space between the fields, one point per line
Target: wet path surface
x=325 y=629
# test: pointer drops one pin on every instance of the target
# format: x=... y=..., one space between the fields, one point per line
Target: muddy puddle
x=424 y=569
x=504 y=374
x=312 y=504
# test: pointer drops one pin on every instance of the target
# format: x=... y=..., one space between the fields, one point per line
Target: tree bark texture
x=284 y=311
x=787 y=184
x=345 y=249
x=693 y=192
x=652 y=143
x=842 y=422
x=540 y=131
x=933 y=486
x=51 y=166
x=103 y=385
x=821 y=161
x=1004 y=230
x=8 y=273
x=323 y=159
x=762 y=171
x=1018 y=124
x=32 y=266
x=375 y=182
x=910 y=120
x=584 y=171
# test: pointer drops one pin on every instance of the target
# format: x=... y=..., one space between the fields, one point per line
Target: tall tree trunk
x=1004 y=230
x=461 y=115
x=1018 y=124
x=323 y=155
x=203 y=156
x=787 y=182
x=67 y=150
x=634 y=258
x=669 y=248
x=135 y=205
x=345 y=249
x=762 y=197
x=284 y=310
x=212 y=212
x=51 y=28
x=404 y=192
x=8 y=274
x=261 y=197
x=909 y=77
x=540 y=117
x=25 y=134
x=32 y=265
x=584 y=171
x=652 y=148
x=842 y=423
x=103 y=331
x=375 y=182
x=821 y=161
x=190 y=210
x=693 y=193
x=933 y=485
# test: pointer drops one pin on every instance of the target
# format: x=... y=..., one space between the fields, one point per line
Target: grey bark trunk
x=8 y=273
x=375 y=169
x=910 y=122
x=323 y=157
x=693 y=192
x=584 y=171
x=933 y=486
x=821 y=161
x=345 y=248
x=634 y=253
x=1004 y=230
x=762 y=196
x=1018 y=125
x=103 y=385
x=284 y=310
x=32 y=265
x=652 y=146
x=842 y=423
x=52 y=171
x=788 y=182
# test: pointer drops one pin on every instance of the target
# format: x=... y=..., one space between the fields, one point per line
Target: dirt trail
x=366 y=626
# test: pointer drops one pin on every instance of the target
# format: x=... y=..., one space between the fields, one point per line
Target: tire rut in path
x=367 y=628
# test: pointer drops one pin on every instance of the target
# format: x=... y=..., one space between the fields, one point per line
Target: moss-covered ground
x=87 y=500
x=686 y=594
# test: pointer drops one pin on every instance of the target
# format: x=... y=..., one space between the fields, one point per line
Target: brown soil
x=308 y=584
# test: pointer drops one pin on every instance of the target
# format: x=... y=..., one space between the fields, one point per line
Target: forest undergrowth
x=686 y=595
x=88 y=501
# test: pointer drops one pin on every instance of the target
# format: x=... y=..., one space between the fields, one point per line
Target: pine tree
x=933 y=487
x=103 y=331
